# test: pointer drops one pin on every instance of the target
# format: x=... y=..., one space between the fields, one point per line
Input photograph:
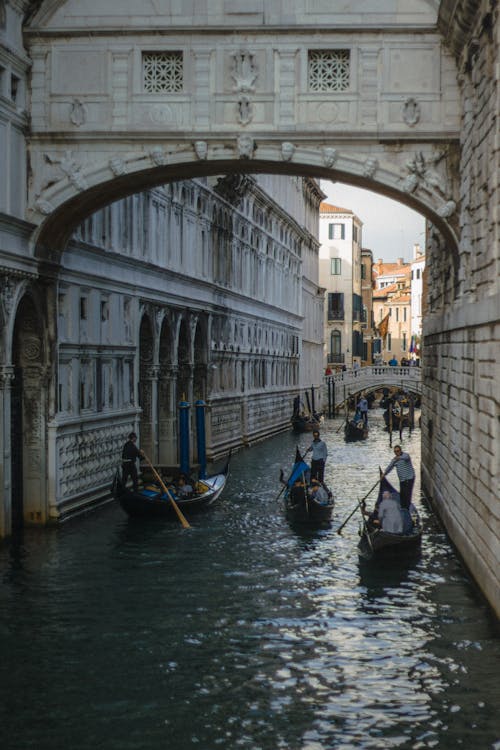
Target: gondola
x=399 y=419
x=305 y=422
x=355 y=430
x=379 y=545
x=151 y=501
x=300 y=508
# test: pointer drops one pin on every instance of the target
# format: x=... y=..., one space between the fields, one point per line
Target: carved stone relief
x=411 y=111
x=246 y=146
x=330 y=156
x=287 y=151
x=70 y=168
x=78 y=113
x=201 y=149
x=244 y=110
x=244 y=71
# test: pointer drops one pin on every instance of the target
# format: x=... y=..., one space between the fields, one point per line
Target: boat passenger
x=318 y=493
x=389 y=514
x=184 y=489
x=297 y=492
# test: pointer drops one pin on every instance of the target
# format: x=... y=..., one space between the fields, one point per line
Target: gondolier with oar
x=406 y=475
x=130 y=454
x=319 y=456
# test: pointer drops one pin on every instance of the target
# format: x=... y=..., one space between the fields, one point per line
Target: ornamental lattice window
x=162 y=72
x=329 y=70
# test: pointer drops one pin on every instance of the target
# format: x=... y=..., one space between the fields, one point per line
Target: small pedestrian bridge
x=342 y=385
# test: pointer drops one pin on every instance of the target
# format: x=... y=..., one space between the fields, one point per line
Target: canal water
x=242 y=632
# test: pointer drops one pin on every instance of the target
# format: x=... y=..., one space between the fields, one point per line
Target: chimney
x=400 y=261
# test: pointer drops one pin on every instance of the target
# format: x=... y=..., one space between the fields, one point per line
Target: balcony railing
x=335 y=315
x=336 y=359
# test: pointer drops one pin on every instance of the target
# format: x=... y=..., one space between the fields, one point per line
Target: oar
x=358 y=505
x=180 y=514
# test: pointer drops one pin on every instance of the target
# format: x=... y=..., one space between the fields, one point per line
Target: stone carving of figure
x=246 y=146
x=117 y=165
x=70 y=168
x=330 y=156
x=158 y=156
x=370 y=167
x=201 y=149
x=244 y=71
x=421 y=175
x=287 y=150
x=245 y=110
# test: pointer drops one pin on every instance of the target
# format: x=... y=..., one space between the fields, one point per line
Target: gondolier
x=319 y=456
x=406 y=475
x=130 y=454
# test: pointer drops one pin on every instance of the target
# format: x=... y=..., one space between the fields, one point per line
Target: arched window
x=335 y=346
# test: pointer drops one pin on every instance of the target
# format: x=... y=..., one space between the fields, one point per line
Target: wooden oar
x=358 y=505
x=164 y=487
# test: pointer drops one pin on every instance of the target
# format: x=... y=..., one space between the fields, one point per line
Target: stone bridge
x=340 y=386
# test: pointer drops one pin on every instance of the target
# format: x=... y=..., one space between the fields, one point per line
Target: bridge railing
x=341 y=385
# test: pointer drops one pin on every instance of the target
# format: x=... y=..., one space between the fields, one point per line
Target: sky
x=389 y=229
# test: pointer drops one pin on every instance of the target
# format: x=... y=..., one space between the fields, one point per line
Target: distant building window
x=389 y=342
x=354 y=233
x=404 y=314
x=329 y=70
x=83 y=308
x=335 y=306
x=403 y=346
x=162 y=72
x=336 y=266
x=335 y=344
x=418 y=273
x=363 y=271
x=336 y=231
x=397 y=314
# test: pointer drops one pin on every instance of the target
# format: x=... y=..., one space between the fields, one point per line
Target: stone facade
x=194 y=291
x=460 y=416
x=400 y=98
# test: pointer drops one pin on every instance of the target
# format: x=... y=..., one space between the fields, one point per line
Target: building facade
x=340 y=275
x=392 y=310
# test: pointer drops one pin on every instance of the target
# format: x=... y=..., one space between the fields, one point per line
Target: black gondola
x=300 y=507
x=378 y=544
x=150 y=500
x=355 y=430
x=399 y=419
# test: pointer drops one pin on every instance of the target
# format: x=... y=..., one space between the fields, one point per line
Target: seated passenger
x=184 y=489
x=317 y=492
x=297 y=492
x=389 y=514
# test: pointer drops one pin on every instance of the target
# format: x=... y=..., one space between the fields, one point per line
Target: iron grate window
x=162 y=72
x=329 y=70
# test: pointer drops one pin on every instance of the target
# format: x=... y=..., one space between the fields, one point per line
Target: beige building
x=340 y=275
x=392 y=309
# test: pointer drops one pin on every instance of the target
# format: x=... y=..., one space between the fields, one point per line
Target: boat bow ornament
x=129 y=109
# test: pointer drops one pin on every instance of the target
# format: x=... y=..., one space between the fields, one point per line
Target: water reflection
x=244 y=632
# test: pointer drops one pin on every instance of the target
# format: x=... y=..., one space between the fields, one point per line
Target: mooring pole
x=200 y=437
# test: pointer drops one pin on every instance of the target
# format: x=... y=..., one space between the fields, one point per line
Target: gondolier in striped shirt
x=406 y=475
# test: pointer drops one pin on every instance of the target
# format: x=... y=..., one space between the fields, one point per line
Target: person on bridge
x=363 y=410
x=319 y=456
x=393 y=362
x=130 y=454
x=406 y=475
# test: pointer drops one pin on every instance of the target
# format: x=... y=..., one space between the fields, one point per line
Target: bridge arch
x=64 y=207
